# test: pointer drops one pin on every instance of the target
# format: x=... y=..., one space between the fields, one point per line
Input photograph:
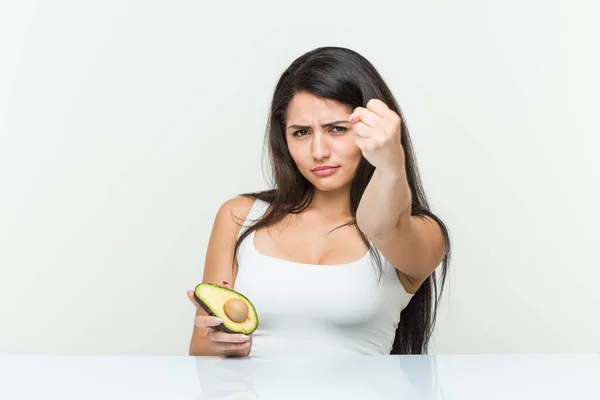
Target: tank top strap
x=258 y=209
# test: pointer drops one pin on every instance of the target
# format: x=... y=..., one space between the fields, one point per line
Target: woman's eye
x=340 y=129
x=335 y=129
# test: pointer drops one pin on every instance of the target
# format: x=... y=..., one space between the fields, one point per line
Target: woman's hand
x=221 y=343
x=378 y=131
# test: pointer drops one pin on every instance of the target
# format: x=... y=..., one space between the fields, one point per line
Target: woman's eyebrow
x=328 y=124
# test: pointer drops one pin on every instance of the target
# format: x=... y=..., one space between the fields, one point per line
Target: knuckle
x=371 y=102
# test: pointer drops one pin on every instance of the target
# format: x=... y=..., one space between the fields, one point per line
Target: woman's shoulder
x=239 y=203
x=237 y=207
x=242 y=204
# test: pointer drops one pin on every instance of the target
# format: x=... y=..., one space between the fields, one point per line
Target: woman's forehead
x=306 y=108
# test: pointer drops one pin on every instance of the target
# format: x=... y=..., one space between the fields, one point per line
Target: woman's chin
x=329 y=186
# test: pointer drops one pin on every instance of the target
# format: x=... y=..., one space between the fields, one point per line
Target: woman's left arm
x=414 y=245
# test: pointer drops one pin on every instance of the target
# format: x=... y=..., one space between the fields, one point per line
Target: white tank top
x=308 y=309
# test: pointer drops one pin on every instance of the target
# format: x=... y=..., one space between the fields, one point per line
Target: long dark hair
x=347 y=77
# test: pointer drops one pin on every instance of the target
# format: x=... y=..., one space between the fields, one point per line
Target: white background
x=124 y=125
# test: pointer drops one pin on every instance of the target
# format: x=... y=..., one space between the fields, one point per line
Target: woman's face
x=318 y=133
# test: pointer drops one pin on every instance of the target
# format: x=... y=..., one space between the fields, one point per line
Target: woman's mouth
x=325 y=170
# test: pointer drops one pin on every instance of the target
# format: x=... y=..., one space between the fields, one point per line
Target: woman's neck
x=331 y=204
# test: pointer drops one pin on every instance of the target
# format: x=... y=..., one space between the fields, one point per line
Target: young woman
x=340 y=256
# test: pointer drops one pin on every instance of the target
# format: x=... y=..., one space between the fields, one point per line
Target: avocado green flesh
x=212 y=298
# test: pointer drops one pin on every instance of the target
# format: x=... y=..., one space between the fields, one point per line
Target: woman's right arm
x=217 y=270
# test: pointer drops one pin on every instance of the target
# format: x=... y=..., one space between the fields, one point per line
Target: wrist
x=396 y=173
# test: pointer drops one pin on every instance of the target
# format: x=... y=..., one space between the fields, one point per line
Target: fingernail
x=217 y=320
x=351 y=116
x=244 y=337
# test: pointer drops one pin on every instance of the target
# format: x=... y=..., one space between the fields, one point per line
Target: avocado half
x=212 y=298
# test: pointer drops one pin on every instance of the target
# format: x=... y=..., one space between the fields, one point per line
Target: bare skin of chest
x=307 y=239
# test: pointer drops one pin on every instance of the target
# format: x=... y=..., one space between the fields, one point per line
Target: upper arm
x=219 y=253
x=219 y=257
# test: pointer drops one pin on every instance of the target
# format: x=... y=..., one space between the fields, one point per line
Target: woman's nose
x=320 y=146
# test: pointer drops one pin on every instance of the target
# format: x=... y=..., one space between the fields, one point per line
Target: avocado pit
x=236 y=310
